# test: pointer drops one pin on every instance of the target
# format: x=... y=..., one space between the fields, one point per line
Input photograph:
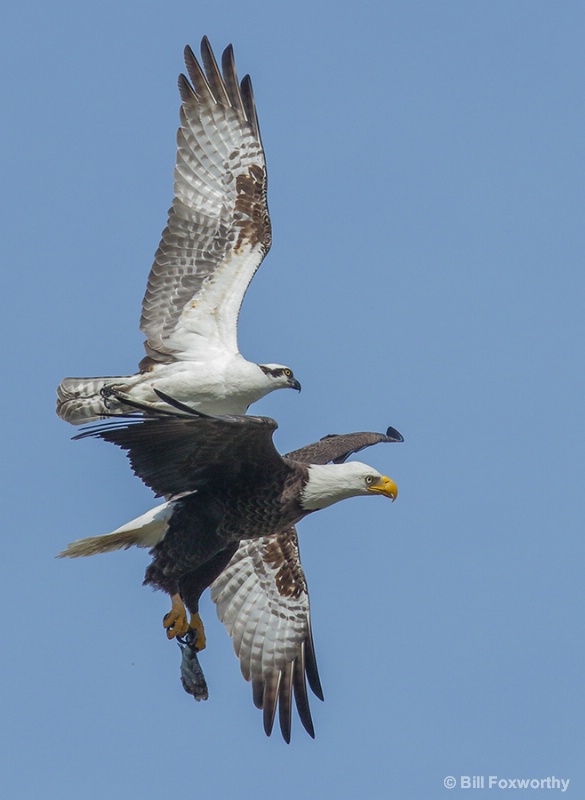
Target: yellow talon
x=197 y=625
x=175 y=621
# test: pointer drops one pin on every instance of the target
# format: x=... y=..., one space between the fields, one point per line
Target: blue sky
x=426 y=190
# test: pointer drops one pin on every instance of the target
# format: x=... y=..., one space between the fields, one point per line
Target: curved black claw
x=107 y=392
x=192 y=676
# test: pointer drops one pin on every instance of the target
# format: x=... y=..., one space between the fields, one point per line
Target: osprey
x=229 y=523
x=217 y=234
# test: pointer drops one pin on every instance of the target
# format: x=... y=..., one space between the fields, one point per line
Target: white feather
x=146 y=530
x=331 y=483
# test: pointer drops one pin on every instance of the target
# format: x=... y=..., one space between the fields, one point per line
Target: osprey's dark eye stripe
x=276 y=372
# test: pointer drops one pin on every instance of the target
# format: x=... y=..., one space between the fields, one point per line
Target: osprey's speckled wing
x=218 y=229
x=263 y=601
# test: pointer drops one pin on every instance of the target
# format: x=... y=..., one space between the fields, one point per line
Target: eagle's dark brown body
x=207 y=525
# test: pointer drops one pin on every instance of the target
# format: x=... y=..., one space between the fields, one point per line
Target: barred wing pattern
x=218 y=228
x=263 y=601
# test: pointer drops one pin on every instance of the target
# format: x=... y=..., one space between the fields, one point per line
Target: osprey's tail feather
x=144 y=531
x=79 y=399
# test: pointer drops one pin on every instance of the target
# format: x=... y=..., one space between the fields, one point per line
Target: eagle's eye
x=288 y=373
x=369 y=479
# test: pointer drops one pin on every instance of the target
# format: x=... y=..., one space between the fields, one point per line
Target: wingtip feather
x=394 y=435
x=230 y=78
x=300 y=692
x=285 y=702
x=311 y=666
x=269 y=701
x=200 y=83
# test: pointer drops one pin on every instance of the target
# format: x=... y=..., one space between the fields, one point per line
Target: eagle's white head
x=330 y=483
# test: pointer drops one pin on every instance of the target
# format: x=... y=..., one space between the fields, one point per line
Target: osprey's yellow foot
x=196 y=625
x=175 y=621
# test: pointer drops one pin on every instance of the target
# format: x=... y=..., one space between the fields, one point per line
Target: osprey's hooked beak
x=294 y=384
x=385 y=486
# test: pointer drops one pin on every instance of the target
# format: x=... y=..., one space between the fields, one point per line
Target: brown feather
x=202 y=87
x=230 y=77
x=300 y=692
x=285 y=702
x=213 y=74
x=269 y=701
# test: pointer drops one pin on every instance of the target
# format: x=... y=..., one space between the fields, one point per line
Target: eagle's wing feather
x=218 y=229
x=174 y=453
x=263 y=601
x=336 y=448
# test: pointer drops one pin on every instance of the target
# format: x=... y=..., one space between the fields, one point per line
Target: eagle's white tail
x=79 y=399
x=144 y=531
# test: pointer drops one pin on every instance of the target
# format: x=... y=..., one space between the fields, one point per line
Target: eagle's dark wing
x=337 y=447
x=263 y=601
x=218 y=229
x=175 y=453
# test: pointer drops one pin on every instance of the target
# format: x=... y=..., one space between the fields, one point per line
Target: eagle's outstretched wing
x=263 y=601
x=218 y=229
x=177 y=451
x=338 y=447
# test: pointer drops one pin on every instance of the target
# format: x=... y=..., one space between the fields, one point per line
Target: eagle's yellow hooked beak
x=385 y=486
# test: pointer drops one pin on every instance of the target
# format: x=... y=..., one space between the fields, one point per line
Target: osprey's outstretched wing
x=263 y=601
x=218 y=229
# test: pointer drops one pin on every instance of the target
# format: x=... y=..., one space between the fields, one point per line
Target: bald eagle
x=229 y=522
x=217 y=234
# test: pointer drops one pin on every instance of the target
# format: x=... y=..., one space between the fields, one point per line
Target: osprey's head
x=280 y=377
x=330 y=483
